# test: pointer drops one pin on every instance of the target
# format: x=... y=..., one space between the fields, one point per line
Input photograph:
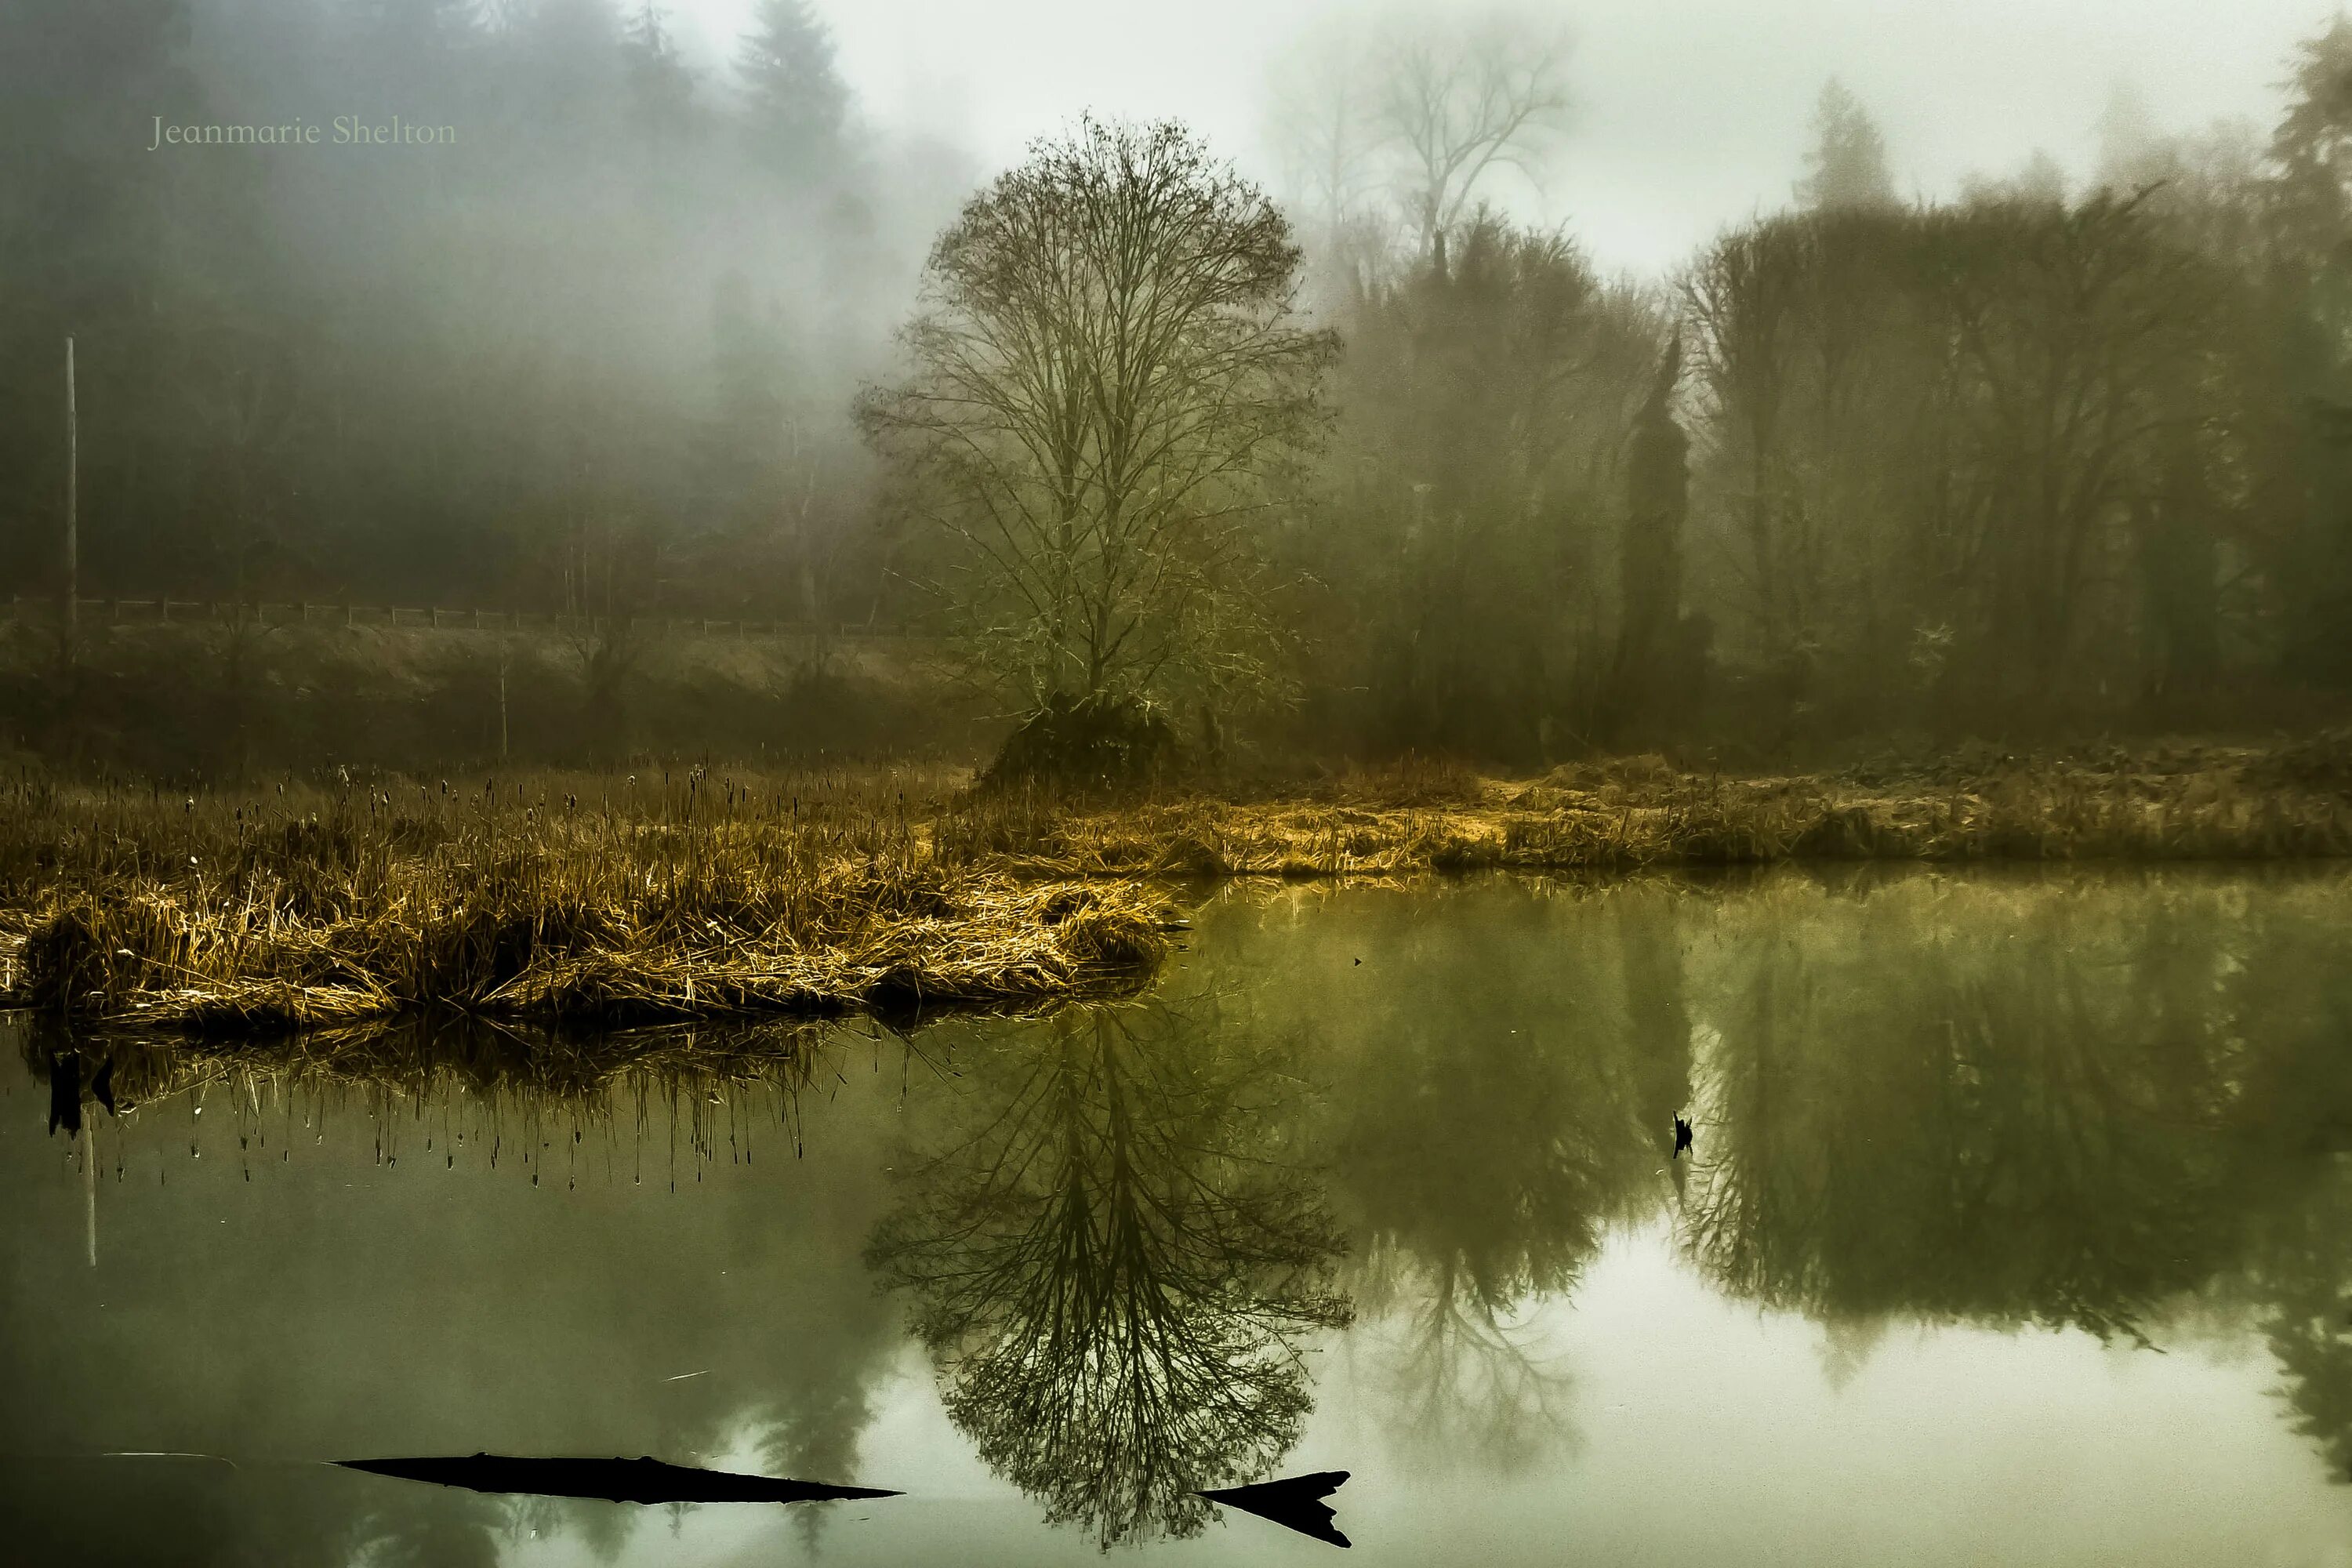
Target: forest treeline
x=2033 y=459
x=595 y=355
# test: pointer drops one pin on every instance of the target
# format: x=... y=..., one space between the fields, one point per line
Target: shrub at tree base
x=1093 y=743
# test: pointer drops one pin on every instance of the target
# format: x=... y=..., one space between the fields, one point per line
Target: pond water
x=2017 y=1228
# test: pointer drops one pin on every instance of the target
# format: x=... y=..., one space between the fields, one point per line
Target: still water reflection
x=2018 y=1227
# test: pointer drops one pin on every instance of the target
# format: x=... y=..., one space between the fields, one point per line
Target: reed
x=307 y=904
x=555 y=898
x=2196 y=804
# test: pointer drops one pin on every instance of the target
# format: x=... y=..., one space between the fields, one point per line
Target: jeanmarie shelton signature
x=342 y=130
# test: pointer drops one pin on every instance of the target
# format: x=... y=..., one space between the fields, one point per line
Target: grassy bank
x=578 y=899
x=2187 y=803
x=622 y=899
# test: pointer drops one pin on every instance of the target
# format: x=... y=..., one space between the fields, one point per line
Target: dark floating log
x=616 y=1481
x=1295 y=1503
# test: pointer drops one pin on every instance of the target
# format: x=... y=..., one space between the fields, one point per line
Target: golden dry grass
x=612 y=900
x=1636 y=813
x=617 y=899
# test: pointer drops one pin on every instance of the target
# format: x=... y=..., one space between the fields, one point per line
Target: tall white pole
x=73 y=500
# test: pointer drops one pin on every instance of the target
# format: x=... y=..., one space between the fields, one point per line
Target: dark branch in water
x=614 y=1481
x=1295 y=1503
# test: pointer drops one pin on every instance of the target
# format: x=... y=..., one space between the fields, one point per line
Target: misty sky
x=1692 y=112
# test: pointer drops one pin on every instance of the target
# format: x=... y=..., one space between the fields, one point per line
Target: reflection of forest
x=2027 y=1103
x=2121 y=1103
x=2079 y=1100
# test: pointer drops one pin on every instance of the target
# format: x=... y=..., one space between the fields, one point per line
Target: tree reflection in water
x=2018 y=1116
x=2077 y=1106
x=1115 y=1265
x=2120 y=1104
x=1506 y=1081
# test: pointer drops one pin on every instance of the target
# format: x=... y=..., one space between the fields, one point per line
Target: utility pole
x=73 y=500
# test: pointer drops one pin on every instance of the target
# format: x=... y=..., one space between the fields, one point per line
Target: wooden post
x=73 y=500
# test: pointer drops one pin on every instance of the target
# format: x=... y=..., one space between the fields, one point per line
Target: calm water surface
x=2019 y=1229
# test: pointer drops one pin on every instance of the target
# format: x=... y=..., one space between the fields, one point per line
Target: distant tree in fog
x=661 y=85
x=1847 y=165
x=1430 y=109
x=2132 y=151
x=1324 y=128
x=1650 y=573
x=1474 y=490
x=1107 y=380
x=1458 y=105
x=797 y=101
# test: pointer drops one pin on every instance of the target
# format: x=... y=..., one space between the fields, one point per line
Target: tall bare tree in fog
x=1106 y=379
x=1459 y=104
x=1324 y=124
x=1429 y=109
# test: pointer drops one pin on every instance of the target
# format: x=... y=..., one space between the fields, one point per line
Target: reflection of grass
x=703 y=1090
x=425 y=1060
x=606 y=898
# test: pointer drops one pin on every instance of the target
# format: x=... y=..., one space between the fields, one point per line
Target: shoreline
x=257 y=912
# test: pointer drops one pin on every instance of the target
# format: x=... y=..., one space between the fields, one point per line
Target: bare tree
x=1116 y=1268
x=1325 y=126
x=1107 y=376
x=1457 y=105
x=1428 y=111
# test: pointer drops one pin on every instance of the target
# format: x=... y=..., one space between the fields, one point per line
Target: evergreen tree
x=797 y=104
x=1657 y=494
x=1847 y=167
x=2311 y=151
x=661 y=85
x=741 y=441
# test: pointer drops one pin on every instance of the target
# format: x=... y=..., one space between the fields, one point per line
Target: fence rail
x=396 y=617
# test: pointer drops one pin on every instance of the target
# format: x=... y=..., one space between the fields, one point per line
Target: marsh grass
x=617 y=899
x=581 y=898
x=2201 y=803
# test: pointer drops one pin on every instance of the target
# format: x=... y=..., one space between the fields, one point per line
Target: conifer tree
x=796 y=102
x=1847 y=167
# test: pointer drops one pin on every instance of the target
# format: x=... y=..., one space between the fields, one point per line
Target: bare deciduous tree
x=1427 y=110
x=1457 y=105
x=1107 y=375
x=1324 y=125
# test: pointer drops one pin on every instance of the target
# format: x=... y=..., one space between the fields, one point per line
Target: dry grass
x=611 y=899
x=2203 y=804
x=602 y=901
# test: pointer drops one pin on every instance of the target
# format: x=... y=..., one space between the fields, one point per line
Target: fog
x=1690 y=114
x=1700 y=375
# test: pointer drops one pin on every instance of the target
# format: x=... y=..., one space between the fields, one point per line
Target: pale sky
x=1691 y=113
